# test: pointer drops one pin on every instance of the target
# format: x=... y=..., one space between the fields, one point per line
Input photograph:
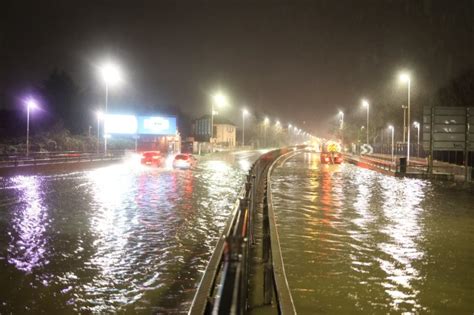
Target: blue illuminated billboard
x=120 y=124
x=156 y=125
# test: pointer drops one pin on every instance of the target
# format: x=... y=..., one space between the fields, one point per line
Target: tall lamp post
x=341 y=125
x=404 y=107
x=417 y=126
x=365 y=103
x=219 y=99
x=244 y=113
x=30 y=104
x=266 y=122
x=359 y=131
x=277 y=131
x=392 y=130
x=290 y=137
x=341 y=119
x=100 y=116
x=405 y=78
x=111 y=75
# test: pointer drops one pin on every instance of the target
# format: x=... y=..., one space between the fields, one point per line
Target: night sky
x=296 y=61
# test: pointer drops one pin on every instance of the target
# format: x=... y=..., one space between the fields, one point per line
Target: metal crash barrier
x=7 y=161
x=224 y=286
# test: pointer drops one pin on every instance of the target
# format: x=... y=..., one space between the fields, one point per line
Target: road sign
x=448 y=129
x=449 y=126
x=366 y=149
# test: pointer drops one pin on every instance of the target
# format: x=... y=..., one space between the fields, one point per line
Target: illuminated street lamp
x=359 y=131
x=100 y=116
x=404 y=107
x=417 y=126
x=341 y=126
x=30 y=104
x=392 y=130
x=405 y=78
x=244 y=113
x=112 y=76
x=219 y=99
x=365 y=103
x=266 y=122
x=290 y=137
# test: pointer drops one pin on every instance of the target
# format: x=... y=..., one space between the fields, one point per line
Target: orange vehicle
x=331 y=153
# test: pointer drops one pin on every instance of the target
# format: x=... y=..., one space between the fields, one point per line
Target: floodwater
x=358 y=242
x=123 y=238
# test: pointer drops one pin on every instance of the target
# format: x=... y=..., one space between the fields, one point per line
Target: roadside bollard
x=403 y=165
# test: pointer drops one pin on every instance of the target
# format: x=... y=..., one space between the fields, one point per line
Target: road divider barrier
x=224 y=287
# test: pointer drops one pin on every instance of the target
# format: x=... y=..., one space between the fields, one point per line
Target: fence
x=55 y=158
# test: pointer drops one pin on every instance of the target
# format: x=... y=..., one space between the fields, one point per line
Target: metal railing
x=224 y=286
x=56 y=158
x=416 y=164
x=275 y=280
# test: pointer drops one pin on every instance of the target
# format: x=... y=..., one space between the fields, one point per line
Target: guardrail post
x=266 y=233
x=253 y=203
x=244 y=278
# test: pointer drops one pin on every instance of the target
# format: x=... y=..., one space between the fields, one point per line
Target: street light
x=112 y=76
x=244 y=113
x=341 y=126
x=219 y=99
x=30 y=104
x=405 y=78
x=100 y=116
x=266 y=122
x=404 y=107
x=417 y=126
x=393 y=130
x=359 y=131
x=365 y=103
x=290 y=137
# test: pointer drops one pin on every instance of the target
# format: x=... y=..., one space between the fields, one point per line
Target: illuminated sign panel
x=156 y=125
x=120 y=124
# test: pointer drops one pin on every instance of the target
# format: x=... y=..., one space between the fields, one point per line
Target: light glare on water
x=356 y=241
x=119 y=238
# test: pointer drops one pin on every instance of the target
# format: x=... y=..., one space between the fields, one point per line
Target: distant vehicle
x=184 y=161
x=331 y=158
x=331 y=153
x=152 y=158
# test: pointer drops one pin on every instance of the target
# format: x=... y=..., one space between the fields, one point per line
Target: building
x=224 y=131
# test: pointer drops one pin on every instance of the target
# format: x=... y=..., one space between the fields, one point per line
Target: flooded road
x=358 y=242
x=121 y=238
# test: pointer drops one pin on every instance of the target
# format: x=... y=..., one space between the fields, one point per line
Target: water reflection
x=358 y=242
x=113 y=218
x=401 y=209
x=28 y=248
x=124 y=238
